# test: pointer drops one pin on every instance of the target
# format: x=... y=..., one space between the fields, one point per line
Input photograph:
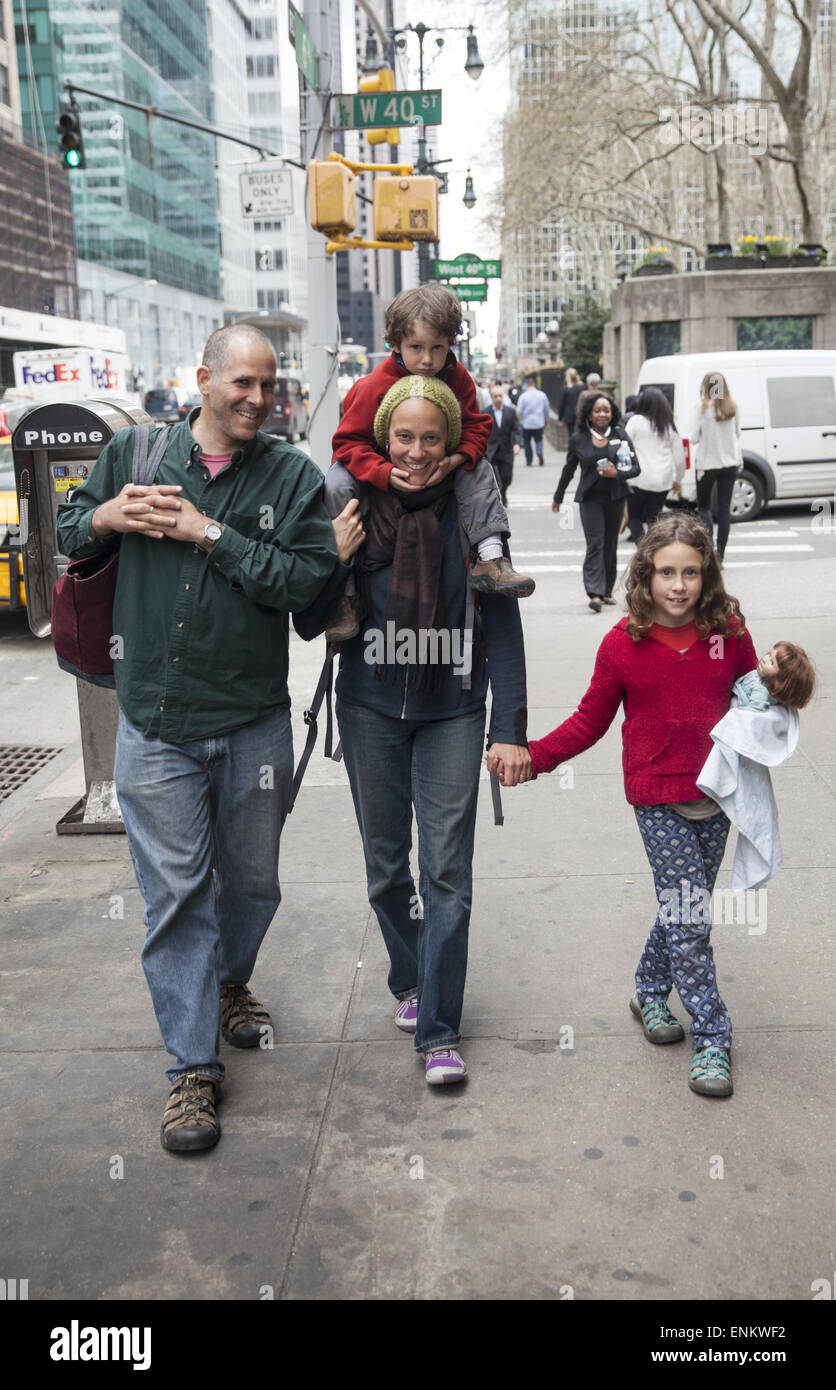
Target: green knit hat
x=431 y=389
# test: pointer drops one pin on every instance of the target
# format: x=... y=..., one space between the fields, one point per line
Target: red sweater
x=672 y=700
x=354 y=445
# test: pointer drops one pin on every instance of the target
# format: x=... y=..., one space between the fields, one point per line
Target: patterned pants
x=684 y=856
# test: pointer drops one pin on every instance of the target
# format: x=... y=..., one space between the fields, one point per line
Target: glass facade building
x=146 y=203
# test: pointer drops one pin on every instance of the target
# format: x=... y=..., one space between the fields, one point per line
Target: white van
x=787 y=404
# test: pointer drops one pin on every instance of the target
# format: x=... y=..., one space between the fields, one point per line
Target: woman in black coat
x=607 y=459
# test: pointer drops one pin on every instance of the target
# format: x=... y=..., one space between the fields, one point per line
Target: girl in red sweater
x=671 y=663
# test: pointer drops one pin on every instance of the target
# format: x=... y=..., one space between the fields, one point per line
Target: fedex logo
x=59 y=371
x=105 y=377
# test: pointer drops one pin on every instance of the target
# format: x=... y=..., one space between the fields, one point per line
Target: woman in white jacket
x=661 y=455
x=716 y=435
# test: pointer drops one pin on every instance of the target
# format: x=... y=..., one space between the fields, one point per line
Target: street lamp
x=622 y=269
x=371 y=62
x=553 y=335
x=474 y=66
x=469 y=198
x=541 y=347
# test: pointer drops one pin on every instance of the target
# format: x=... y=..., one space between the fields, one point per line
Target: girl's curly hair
x=715 y=607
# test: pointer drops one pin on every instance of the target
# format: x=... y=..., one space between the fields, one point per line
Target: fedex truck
x=73 y=373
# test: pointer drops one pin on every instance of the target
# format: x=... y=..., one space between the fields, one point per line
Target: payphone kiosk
x=55 y=447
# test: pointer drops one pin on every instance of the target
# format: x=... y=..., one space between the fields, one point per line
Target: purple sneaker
x=406 y=1014
x=443 y=1065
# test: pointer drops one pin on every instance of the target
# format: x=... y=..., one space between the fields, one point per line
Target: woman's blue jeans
x=433 y=765
x=203 y=821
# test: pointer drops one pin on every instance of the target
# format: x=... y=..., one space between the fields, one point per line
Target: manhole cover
x=19 y=762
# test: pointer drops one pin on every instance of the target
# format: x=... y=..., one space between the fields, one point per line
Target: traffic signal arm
x=356 y=168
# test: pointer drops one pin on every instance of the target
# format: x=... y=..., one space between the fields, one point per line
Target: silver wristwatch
x=212 y=533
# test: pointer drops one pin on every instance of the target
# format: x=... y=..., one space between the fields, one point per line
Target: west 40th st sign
x=469 y=268
x=386 y=110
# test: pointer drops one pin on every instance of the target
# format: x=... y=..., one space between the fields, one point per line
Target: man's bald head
x=236 y=335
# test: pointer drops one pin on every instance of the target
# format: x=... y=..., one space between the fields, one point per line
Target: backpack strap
x=467 y=665
x=323 y=689
x=144 y=465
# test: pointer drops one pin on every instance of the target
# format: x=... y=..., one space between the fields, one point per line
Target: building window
x=789 y=331
x=662 y=339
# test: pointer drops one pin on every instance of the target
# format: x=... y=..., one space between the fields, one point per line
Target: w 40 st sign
x=376 y=110
x=468 y=268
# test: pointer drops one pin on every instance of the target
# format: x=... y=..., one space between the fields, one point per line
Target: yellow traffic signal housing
x=333 y=202
x=406 y=207
x=384 y=82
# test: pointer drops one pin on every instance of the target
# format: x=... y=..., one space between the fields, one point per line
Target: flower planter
x=773 y=262
x=808 y=262
x=732 y=263
x=659 y=268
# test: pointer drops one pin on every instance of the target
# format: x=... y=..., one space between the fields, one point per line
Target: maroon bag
x=82 y=598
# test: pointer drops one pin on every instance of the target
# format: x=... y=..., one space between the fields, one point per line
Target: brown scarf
x=404 y=530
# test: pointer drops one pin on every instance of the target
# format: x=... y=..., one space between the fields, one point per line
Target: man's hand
x=516 y=448
x=676 y=489
x=137 y=508
x=446 y=466
x=348 y=530
x=555 y=506
x=511 y=762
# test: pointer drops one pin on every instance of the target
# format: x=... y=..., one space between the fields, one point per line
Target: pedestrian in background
x=607 y=459
x=671 y=663
x=504 y=442
x=661 y=456
x=569 y=399
x=719 y=458
x=535 y=410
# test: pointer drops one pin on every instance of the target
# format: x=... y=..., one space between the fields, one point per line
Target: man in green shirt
x=229 y=539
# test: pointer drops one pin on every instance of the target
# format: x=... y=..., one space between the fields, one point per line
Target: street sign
x=267 y=189
x=307 y=58
x=472 y=294
x=375 y=110
x=468 y=266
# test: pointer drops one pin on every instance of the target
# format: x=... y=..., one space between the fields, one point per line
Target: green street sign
x=468 y=267
x=472 y=294
x=386 y=110
x=307 y=58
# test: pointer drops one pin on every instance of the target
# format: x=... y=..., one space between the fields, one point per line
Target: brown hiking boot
x=500 y=577
x=189 y=1122
x=344 y=619
x=244 y=1021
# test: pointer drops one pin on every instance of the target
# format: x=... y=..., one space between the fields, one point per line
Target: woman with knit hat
x=411 y=710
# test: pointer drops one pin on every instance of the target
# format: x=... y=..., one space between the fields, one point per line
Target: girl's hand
x=607 y=470
x=401 y=480
x=446 y=466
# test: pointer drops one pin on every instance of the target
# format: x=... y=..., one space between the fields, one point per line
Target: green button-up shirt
x=204 y=636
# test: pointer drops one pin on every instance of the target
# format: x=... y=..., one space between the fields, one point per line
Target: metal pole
x=323 y=326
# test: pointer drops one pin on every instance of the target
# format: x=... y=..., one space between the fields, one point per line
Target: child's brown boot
x=500 y=577
x=344 y=619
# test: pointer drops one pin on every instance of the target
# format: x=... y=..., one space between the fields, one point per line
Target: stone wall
x=708 y=305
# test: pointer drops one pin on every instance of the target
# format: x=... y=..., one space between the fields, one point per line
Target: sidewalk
x=575 y=1157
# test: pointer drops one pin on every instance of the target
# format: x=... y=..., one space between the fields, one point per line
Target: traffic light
x=70 y=142
x=384 y=82
x=333 y=204
x=406 y=207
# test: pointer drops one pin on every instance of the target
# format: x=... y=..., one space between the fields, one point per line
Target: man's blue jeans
x=203 y=822
x=537 y=436
x=433 y=765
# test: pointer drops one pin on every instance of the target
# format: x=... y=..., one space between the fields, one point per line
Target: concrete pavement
x=574 y=1162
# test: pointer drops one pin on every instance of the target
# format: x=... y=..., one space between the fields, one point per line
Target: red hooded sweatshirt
x=354 y=444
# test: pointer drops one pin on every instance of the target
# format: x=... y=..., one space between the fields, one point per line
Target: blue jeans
x=433 y=765
x=203 y=822
x=537 y=436
x=684 y=856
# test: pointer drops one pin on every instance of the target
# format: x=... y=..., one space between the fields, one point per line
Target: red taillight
x=686 y=444
x=288 y=409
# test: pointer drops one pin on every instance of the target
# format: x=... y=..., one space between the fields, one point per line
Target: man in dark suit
x=505 y=440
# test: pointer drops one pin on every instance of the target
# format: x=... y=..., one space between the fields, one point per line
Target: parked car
x=189 y=404
x=162 y=404
x=12 y=593
x=787 y=404
x=289 y=416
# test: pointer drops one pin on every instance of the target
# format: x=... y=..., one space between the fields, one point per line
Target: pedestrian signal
x=70 y=142
x=384 y=82
x=333 y=204
x=406 y=207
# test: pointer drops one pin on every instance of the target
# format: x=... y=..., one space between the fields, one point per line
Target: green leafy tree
x=582 y=335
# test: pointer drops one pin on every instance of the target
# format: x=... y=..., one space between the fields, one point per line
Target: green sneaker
x=711 y=1072
x=659 y=1024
